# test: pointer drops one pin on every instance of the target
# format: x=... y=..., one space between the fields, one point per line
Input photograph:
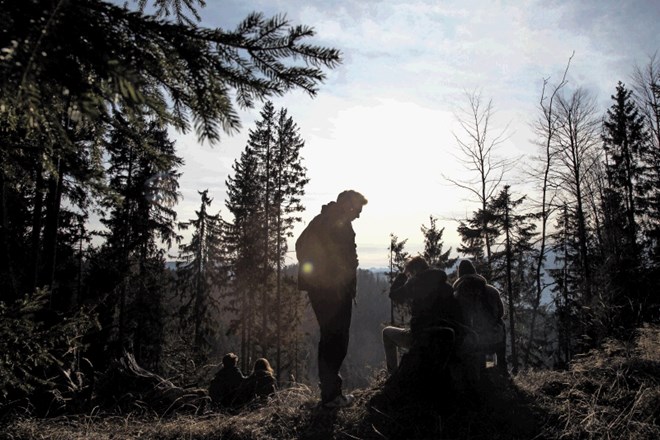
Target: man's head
x=465 y=267
x=415 y=265
x=229 y=360
x=351 y=203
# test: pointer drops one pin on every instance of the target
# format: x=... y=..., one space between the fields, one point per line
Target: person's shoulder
x=439 y=273
x=234 y=372
x=251 y=379
x=470 y=280
x=321 y=221
x=433 y=273
x=328 y=210
x=314 y=222
x=492 y=289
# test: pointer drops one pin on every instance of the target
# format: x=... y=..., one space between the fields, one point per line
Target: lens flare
x=307 y=268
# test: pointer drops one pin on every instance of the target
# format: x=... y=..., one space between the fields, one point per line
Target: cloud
x=382 y=121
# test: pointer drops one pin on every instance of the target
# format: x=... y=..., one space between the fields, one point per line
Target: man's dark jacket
x=482 y=307
x=225 y=386
x=432 y=300
x=326 y=252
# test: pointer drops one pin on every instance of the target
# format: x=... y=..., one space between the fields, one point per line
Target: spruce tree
x=279 y=179
x=512 y=263
x=570 y=306
x=139 y=216
x=289 y=178
x=244 y=238
x=101 y=55
x=625 y=206
x=397 y=257
x=473 y=232
x=625 y=142
x=261 y=142
x=433 y=246
x=202 y=273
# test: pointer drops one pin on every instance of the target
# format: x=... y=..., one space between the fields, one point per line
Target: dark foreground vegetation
x=611 y=392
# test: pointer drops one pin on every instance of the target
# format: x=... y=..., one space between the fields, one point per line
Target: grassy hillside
x=613 y=392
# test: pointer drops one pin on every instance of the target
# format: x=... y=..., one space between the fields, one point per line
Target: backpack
x=306 y=254
x=478 y=314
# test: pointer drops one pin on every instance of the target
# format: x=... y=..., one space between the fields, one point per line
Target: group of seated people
x=231 y=389
x=463 y=320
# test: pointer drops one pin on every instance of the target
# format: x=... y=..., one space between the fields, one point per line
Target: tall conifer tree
x=512 y=262
x=201 y=274
x=274 y=187
x=143 y=175
x=433 y=244
x=625 y=205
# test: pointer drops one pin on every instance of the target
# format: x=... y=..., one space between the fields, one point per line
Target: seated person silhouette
x=225 y=386
x=482 y=312
x=433 y=307
x=261 y=383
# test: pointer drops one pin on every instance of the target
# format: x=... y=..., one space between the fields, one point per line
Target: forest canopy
x=88 y=92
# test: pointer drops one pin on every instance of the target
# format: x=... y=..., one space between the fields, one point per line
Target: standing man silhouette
x=327 y=265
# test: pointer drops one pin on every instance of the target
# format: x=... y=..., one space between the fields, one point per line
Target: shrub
x=41 y=352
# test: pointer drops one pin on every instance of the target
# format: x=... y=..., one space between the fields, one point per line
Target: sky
x=383 y=122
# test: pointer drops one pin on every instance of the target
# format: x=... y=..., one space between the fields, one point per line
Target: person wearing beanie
x=483 y=311
x=327 y=270
x=465 y=267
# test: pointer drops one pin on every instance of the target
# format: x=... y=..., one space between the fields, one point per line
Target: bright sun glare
x=395 y=154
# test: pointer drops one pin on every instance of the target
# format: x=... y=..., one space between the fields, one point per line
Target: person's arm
x=341 y=241
x=272 y=387
x=495 y=300
x=398 y=290
x=420 y=285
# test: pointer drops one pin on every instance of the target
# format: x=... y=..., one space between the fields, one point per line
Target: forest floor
x=609 y=393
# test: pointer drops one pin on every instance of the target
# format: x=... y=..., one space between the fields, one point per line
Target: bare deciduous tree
x=545 y=128
x=577 y=153
x=646 y=85
x=478 y=153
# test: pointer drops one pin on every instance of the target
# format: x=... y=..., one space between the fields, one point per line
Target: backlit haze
x=382 y=122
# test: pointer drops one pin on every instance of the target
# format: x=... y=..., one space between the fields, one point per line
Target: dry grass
x=611 y=393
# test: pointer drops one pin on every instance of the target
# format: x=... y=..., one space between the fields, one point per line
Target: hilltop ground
x=609 y=393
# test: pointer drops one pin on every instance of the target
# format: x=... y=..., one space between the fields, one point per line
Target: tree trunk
x=53 y=201
x=200 y=290
x=4 y=237
x=278 y=289
x=512 y=330
x=549 y=131
x=36 y=226
x=244 y=350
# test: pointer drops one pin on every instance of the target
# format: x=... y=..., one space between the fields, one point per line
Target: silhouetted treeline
x=587 y=238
